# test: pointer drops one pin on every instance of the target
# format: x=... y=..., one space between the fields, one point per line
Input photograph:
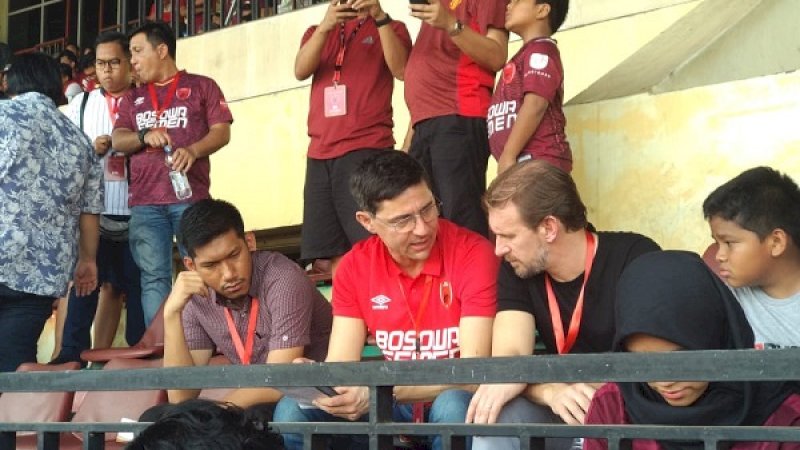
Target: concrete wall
x=3 y=20
x=644 y=162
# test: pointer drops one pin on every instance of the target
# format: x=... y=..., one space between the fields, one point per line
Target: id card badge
x=335 y=100
x=115 y=167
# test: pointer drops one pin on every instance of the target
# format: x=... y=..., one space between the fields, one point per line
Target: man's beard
x=531 y=269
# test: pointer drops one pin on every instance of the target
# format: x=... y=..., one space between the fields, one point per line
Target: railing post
x=94 y=441
x=47 y=440
x=8 y=440
x=381 y=404
x=528 y=442
x=454 y=442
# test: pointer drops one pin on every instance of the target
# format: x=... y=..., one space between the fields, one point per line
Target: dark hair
x=558 y=13
x=5 y=54
x=35 y=72
x=384 y=176
x=538 y=189
x=68 y=53
x=206 y=220
x=157 y=33
x=760 y=200
x=85 y=61
x=203 y=424
x=64 y=70
x=111 y=37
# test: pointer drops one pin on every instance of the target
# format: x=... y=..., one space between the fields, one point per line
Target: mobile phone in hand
x=327 y=390
x=418 y=2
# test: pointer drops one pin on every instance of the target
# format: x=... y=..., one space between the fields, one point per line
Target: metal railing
x=381 y=377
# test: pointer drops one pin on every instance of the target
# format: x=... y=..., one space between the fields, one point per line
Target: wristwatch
x=385 y=21
x=142 y=133
x=458 y=27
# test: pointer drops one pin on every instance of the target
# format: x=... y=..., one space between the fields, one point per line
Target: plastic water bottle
x=180 y=182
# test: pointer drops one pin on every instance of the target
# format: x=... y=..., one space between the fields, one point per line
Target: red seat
x=37 y=406
x=112 y=406
x=150 y=345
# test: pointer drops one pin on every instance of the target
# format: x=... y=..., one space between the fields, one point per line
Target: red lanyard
x=113 y=107
x=555 y=313
x=173 y=86
x=423 y=306
x=245 y=351
x=337 y=74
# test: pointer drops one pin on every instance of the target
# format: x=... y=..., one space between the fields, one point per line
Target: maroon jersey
x=197 y=104
x=368 y=122
x=535 y=69
x=440 y=80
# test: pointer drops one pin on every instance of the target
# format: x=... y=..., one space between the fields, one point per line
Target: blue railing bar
x=698 y=433
x=788 y=434
x=675 y=366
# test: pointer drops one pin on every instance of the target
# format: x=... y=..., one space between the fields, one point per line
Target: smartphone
x=418 y=2
x=350 y=10
x=327 y=390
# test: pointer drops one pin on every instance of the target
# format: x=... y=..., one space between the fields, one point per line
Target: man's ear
x=250 y=240
x=162 y=50
x=549 y=228
x=188 y=263
x=778 y=241
x=365 y=219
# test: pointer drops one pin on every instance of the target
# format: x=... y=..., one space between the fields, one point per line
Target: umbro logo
x=369 y=40
x=380 y=302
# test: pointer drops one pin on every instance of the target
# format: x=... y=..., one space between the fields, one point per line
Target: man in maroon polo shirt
x=353 y=56
x=172 y=107
x=253 y=307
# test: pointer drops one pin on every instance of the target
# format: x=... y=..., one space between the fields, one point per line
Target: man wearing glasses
x=422 y=286
x=95 y=113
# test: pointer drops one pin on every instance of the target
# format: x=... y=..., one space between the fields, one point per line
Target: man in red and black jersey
x=448 y=87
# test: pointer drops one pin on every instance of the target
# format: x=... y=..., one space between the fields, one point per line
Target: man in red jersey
x=353 y=56
x=448 y=87
x=422 y=286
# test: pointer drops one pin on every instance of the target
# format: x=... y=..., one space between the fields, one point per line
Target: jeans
x=449 y=407
x=22 y=319
x=150 y=233
x=520 y=410
x=115 y=266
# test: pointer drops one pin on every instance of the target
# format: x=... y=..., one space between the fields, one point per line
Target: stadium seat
x=37 y=406
x=113 y=406
x=150 y=345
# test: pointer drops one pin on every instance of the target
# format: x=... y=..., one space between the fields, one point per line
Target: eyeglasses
x=406 y=223
x=114 y=64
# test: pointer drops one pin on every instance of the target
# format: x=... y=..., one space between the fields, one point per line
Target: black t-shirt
x=615 y=250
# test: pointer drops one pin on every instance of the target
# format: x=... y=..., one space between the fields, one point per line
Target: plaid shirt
x=292 y=313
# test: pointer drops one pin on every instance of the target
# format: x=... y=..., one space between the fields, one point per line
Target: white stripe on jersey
x=97 y=122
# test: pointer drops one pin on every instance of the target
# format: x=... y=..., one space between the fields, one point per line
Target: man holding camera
x=449 y=81
x=353 y=56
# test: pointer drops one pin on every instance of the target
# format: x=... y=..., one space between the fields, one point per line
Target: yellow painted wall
x=646 y=163
x=262 y=169
x=643 y=163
